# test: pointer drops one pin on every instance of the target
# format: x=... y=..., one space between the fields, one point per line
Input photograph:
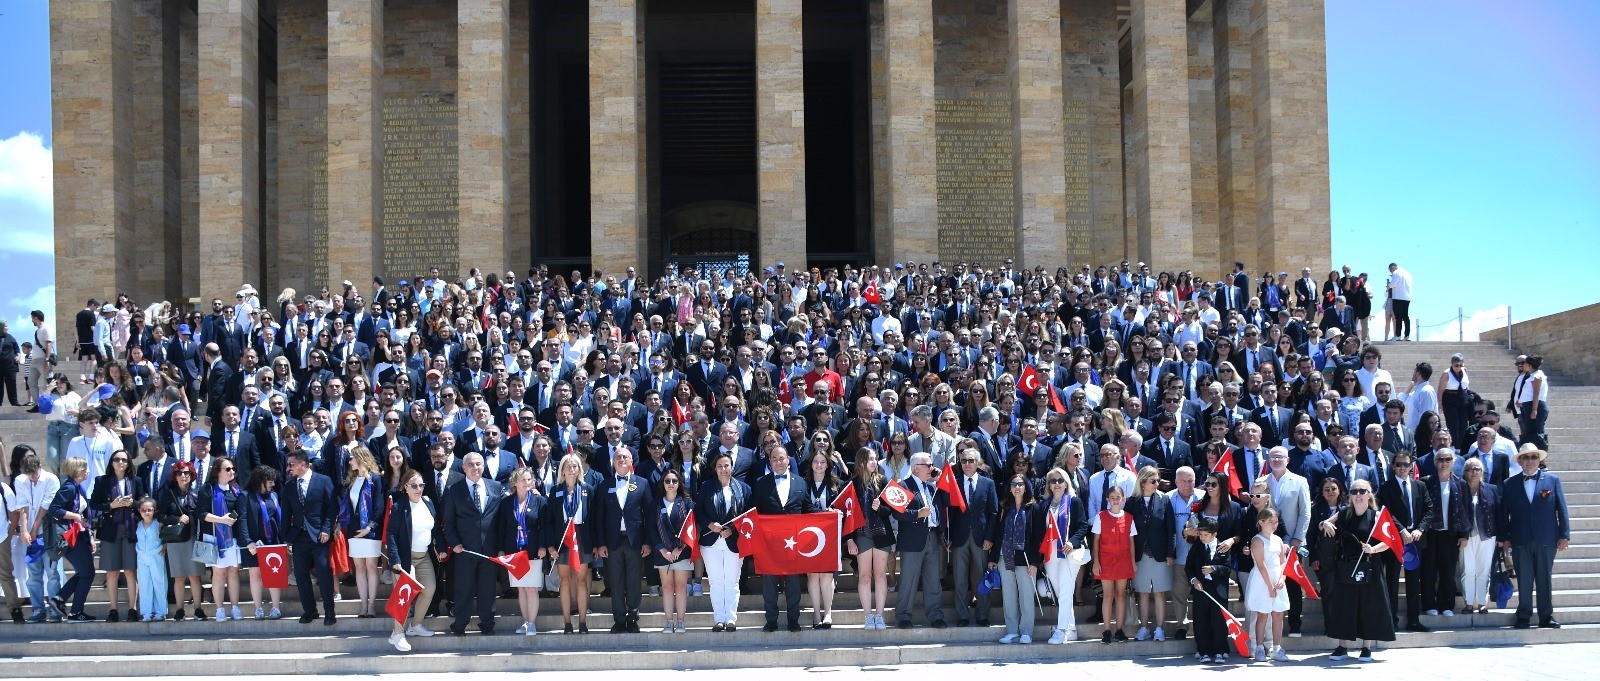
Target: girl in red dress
x=1113 y=561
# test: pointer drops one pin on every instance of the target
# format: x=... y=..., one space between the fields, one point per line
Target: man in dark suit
x=625 y=514
x=217 y=374
x=310 y=506
x=921 y=544
x=1347 y=468
x=184 y=351
x=237 y=443
x=1539 y=526
x=705 y=374
x=156 y=471
x=1273 y=419
x=775 y=494
x=1168 y=450
x=469 y=509
x=1407 y=500
x=969 y=540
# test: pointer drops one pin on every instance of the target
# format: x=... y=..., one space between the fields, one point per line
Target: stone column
x=230 y=148
x=913 y=191
x=1161 y=120
x=1289 y=67
x=1203 y=143
x=1236 y=162
x=1038 y=122
x=780 y=134
x=93 y=162
x=618 y=198
x=1093 y=86
x=355 y=134
x=483 y=85
x=156 y=151
x=878 y=86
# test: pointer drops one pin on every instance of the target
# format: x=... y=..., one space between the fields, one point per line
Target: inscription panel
x=1079 y=213
x=316 y=158
x=976 y=177
x=419 y=184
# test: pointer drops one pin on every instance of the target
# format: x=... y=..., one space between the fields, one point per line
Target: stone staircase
x=358 y=645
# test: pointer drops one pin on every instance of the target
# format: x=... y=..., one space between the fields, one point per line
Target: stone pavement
x=1557 y=662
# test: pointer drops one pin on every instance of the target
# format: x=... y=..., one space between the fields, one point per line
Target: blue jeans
x=38 y=572
x=57 y=437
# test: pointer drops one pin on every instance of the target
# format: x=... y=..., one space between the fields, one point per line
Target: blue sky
x=1462 y=139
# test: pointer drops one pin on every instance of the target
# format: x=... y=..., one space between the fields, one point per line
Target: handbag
x=1355 y=572
x=171 y=533
x=205 y=551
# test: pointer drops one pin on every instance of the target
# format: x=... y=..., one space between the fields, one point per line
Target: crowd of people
x=1118 y=438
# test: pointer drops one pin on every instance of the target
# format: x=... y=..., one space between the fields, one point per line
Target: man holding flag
x=1406 y=500
x=921 y=544
x=972 y=509
x=781 y=493
x=468 y=516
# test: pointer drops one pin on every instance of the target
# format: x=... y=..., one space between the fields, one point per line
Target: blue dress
x=152 y=570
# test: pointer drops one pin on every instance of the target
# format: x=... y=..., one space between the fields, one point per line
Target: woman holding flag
x=1357 y=602
x=873 y=541
x=517 y=529
x=361 y=519
x=822 y=485
x=413 y=532
x=568 y=509
x=1071 y=522
x=674 y=558
x=722 y=500
x=264 y=517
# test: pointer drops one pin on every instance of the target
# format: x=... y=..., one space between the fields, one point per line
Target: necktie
x=477 y=497
x=233 y=450
x=968 y=497
x=1166 y=451
x=1411 y=511
x=438 y=480
x=183 y=448
x=305 y=484
x=1105 y=489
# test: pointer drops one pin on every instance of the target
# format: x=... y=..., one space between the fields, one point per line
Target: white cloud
x=26 y=195
x=1470 y=326
x=43 y=299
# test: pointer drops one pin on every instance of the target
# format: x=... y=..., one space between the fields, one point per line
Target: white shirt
x=35 y=497
x=63 y=404
x=1423 y=399
x=1120 y=477
x=1528 y=483
x=1372 y=378
x=1525 y=388
x=1444 y=504
x=622 y=500
x=421 y=527
x=1400 y=284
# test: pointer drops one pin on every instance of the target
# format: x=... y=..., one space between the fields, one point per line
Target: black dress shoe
x=583 y=627
x=771 y=627
x=719 y=627
x=619 y=628
x=458 y=632
x=633 y=627
x=306 y=618
x=1550 y=624
x=963 y=622
x=983 y=623
x=1522 y=624
x=566 y=628
x=16 y=615
x=329 y=620
x=133 y=616
x=904 y=624
x=732 y=627
x=794 y=625
x=1418 y=627
x=486 y=631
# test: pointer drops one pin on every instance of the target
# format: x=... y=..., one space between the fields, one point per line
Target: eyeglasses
x=967 y=461
x=582 y=431
x=1209 y=485
x=227 y=469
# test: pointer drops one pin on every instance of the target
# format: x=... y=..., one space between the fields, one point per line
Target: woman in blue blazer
x=413 y=531
x=1484 y=528
x=70 y=509
x=518 y=528
x=570 y=501
x=361 y=507
x=1155 y=546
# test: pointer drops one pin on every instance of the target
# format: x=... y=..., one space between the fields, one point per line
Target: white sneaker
x=400 y=643
x=1008 y=638
x=418 y=630
x=1449 y=613
x=1205 y=659
x=1025 y=639
x=1057 y=637
x=1143 y=635
x=1072 y=634
x=1279 y=655
x=523 y=629
x=532 y=629
x=1159 y=635
x=1261 y=654
x=1431 y=612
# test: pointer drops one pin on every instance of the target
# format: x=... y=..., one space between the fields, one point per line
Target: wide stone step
x=693 y=650
x=1575 y=580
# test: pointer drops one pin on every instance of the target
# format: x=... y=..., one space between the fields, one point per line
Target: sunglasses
x=1355 y=492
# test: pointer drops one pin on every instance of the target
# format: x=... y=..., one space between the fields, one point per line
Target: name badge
x=561 y=493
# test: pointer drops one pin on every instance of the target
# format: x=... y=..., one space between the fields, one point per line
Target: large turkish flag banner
x=796 y=544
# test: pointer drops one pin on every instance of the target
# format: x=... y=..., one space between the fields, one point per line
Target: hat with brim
x=108 y=308
x=105 y=391
x=1079 y=556
x=1533 y=449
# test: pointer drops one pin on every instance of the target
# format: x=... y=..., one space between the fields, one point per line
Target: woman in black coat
x=1328 y=499
x=1155 y=548
x=263 y=516
x=1358 y=602
x=69 y=510
x=113 y=500
x=412 y=516
x=222 y=503
x=517 y=527
x=571 y=500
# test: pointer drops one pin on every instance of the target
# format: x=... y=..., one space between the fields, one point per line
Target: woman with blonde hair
x=569 y=502
x=1072 y=527
x=361 y=509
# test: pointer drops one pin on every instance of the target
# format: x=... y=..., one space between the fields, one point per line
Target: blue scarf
x=219 y=507
x=521 y=512
x=271 y=517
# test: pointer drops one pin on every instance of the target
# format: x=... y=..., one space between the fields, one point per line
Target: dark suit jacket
x=1456 y=512
x=705 y=384
x=248 y=455
x=1221 y=565
x=533 y=530
x=397 y=544
x=709 y=508
x=1361 y=471
x=162 y=477
x=1419 y=515
x=977 y=520
x=464 y=525
x=1033 y=515
x=217 y=377
x=1182 y=455
x=637 y=514
x=764 y=496
x=430 y=487
x=914 y=531
x=305 y=518
x=100 y=502
x=1272 y=437
x=1544 y=520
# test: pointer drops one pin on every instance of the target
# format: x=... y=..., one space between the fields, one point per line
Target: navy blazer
x=978 y=519
x=307 y=517
x=914 y=531
x=712 y=509
x=464 y=525
x=100 y=500
x=555 y=516
x=1033 y=519
x=1544 y=520
x=636 y=514
x=397 y=544
x=505 y=525
x=1158 y=531
x=1487 y=513
x=764 y=495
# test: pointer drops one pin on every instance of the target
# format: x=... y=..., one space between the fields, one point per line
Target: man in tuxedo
x=781 y=492
x=921 y=543
x=1539 y=526
x=625 y=513
x=1407 y=500
x=1291 y=495
x=969 y=539
x=310 y=507
x=469 y=509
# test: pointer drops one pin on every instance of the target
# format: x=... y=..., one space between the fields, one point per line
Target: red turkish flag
x=896 y=496
x=785 y=393
x=1052 y=536
x=947 y=483
x=680 y=413
x=871 y=293
x=1297 y=572
x=796 y=544
x=402 y=596
x=1225 y=466
x=569 y=539
x=515 y=563
x=1241 y=640
x=274 y=562
x=846 y=504
x=1385 y=529
x=1030 y=381
x=686 y=534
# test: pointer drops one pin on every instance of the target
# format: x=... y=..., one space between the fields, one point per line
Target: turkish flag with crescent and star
x=795 y=544
x=1241 y=640
x=871 y=293
x=948 y=484
x=846 y=503
x=515 y=563
x=1225 y=467
x=1385 y=530
x=569 y=539
x=1292 y=569
x=274 y=562
x=1030 y=381
x=1052 y=536
x=686 y=534
x=896 y=496
x=405 y=592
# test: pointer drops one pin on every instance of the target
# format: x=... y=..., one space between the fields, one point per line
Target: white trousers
x=722 y=567
x=1477 y=566
x=1063 y=575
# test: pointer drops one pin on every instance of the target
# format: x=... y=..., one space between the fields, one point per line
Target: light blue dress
x=152 y=571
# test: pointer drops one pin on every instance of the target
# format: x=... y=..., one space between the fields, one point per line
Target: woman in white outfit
x=1072 y=524
x=1483 y=529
